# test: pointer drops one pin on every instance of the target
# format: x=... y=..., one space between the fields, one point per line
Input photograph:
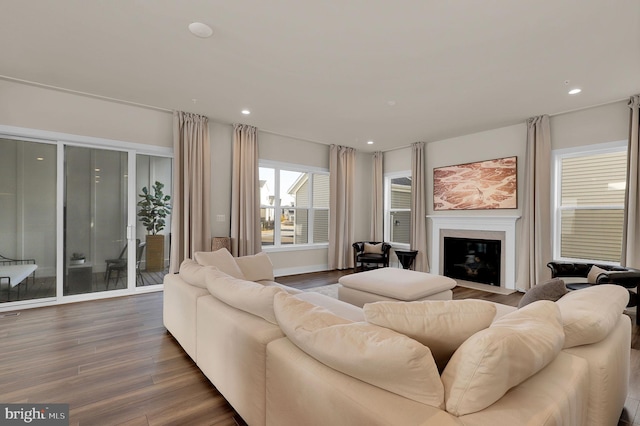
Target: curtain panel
x=535 y=239
x=377 y=200
x=342 y=163
x=630 y=240
x=418 y=236
x=191 y=219
x=246 y=238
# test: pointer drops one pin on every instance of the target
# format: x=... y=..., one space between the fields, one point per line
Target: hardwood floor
x=114 y=363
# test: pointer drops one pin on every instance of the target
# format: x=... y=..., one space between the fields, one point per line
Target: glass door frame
x=61 y=140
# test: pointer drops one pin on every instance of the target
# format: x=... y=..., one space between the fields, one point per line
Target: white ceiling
x=325 y=70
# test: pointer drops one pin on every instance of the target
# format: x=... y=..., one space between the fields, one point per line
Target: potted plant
x=154 y=208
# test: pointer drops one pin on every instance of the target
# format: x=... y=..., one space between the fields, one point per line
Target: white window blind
x=398 y=208
x=591 y=205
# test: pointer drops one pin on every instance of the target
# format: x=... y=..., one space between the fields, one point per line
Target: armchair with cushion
x=370 y=253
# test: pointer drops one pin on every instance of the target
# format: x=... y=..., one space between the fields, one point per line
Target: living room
x=47 y=97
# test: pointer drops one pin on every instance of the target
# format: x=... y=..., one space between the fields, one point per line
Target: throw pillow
x=589 y=315
x=373 y=248
x=494 y=360
x=256 y=268
x=373 y=354
x=441 y=325
x=193 y=273
x=247 y=296
x=221 y=259
x=592 y=277
x=552 y=290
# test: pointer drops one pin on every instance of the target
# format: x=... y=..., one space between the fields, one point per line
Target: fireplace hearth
x=471 y=259
x=477 y=227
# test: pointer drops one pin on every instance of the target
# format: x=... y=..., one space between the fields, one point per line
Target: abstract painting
x=490 y=184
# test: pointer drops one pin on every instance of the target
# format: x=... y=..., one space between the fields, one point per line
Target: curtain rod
x=85 y=94
x=170 y=111
x=550 y=115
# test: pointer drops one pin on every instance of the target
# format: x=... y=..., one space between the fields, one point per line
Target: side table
x=406 y=257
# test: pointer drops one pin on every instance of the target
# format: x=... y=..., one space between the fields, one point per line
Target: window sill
x=296 y=247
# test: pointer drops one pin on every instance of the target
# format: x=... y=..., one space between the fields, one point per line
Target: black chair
x=114 y=264
x=366 y=257
x=120 y=265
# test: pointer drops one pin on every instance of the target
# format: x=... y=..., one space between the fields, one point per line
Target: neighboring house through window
x=397 y=207
x=294 y=204
x=589 y=202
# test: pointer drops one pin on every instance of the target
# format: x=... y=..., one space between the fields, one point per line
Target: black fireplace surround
x=472 y=259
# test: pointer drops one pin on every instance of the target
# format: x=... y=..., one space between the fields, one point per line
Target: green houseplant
x=154 y=207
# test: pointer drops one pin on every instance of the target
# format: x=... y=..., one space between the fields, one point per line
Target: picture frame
x=481 y=185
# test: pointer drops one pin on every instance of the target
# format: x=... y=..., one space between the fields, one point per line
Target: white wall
x=295 y=151
x=34 y=107
x=600 y=124
x=221 y=137
x=496 y=143
x=45 y=109
x=398 y=160
x=363 y=197
x=607 y=123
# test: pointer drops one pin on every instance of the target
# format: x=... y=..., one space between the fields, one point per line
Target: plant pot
x=155 y=253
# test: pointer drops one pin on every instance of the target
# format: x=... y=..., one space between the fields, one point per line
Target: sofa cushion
x=373 y=354
x=495 y=359
x=221 y=259
x=551 y=290
x=589 y=314
x=193 y=273
x=441 y=325
x=247 y=296
x=592 y=276
x=257 y=267
x=373 y=248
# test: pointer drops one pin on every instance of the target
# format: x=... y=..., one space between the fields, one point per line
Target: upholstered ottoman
x=393 y=284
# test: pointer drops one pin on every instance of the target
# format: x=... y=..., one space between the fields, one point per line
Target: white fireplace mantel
x=506 y=224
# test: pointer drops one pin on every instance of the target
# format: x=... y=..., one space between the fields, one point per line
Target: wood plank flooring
x=115 y=364
x=43 y=287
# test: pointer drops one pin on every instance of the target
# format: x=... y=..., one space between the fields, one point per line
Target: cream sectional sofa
x=283 y=357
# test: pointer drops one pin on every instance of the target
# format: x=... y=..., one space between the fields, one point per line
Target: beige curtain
x=342 y=164
x=190 y=216
x=377 y=206
x=535 y=238
x=418 y=237
x=246 y=237
x=630 y=238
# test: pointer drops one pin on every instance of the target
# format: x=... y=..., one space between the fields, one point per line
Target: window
x=294 y=204
x=397 y=207
x=589 y=202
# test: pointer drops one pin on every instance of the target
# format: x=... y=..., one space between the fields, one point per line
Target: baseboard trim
x=283 y=272
x=485 y=287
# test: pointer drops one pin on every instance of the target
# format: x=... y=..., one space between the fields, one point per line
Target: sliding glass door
x=95 y=220
x=153 y=259
x=69 y=225
x=27 y=220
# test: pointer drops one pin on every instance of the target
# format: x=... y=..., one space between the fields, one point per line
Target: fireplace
x=498 y=230
x=472 y=259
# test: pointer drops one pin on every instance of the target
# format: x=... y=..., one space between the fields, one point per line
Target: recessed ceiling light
x=369 y=142
x=40 y=158
x=246 y=112
x=201 y=30
x=574 y=91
